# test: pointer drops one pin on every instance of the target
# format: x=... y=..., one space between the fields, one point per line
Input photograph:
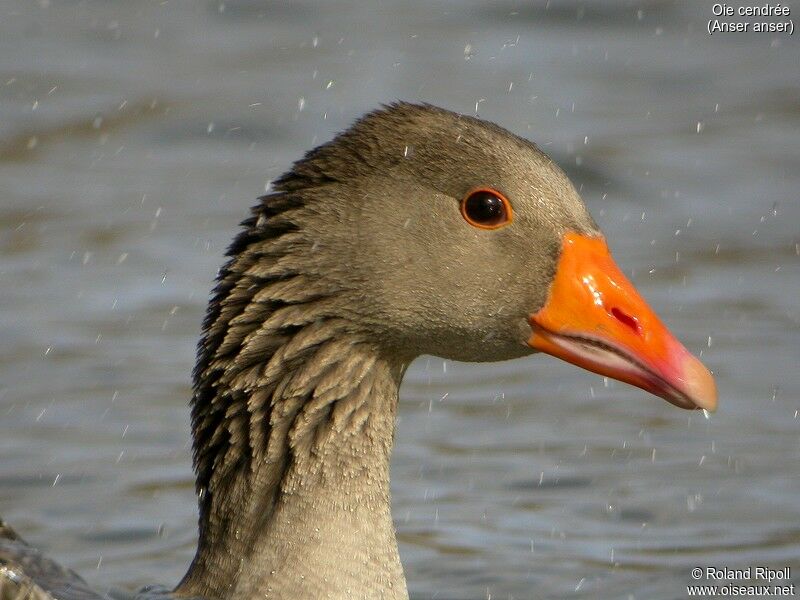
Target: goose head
x=416 y=231
x=447 y=235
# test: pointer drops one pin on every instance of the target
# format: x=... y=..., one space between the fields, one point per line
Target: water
x=135 y=135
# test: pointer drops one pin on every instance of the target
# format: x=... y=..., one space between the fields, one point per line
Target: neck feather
x=293 y=419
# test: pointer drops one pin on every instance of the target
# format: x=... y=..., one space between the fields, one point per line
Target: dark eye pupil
x=485 y=208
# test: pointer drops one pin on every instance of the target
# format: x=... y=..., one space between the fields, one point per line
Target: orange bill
x=595 y=318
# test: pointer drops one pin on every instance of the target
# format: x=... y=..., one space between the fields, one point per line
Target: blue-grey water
x=135 y=135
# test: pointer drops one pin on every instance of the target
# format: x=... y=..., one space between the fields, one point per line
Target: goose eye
x=486 y=208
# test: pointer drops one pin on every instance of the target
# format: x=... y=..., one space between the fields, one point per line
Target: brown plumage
x=307 y=337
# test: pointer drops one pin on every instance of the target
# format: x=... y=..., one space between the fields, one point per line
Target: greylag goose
x=416 y=231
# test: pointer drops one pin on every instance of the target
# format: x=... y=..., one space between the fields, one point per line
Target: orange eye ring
x=486 y=208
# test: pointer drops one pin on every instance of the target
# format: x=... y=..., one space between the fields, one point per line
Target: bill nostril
x=628 y=320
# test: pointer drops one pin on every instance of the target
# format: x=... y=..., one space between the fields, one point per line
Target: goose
x=415 y=231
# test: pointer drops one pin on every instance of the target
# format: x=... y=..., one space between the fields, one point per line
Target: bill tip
x=700 y=385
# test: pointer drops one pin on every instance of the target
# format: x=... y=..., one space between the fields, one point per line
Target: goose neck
x=298 y=497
